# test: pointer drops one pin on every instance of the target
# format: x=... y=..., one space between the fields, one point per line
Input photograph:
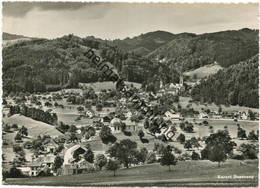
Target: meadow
x=194 y=173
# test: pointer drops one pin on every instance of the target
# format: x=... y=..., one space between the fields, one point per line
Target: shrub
x=195 y=156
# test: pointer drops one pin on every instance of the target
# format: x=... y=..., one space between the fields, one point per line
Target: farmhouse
x=38 y=165
x=90 y=113
x=71 y=165
x=203 y=115
x=171 y=115
x=51 y=146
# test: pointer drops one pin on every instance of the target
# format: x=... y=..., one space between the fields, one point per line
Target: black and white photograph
x=119 y=94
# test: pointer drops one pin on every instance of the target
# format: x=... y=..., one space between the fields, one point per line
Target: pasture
x=98 y=86
x=184 y=101
x=184 y=173
x=34 y=127
x=204 y=71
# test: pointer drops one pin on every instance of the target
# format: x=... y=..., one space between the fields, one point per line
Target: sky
x=121 y=20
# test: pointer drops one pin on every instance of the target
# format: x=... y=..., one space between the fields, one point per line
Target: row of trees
x=34 y=113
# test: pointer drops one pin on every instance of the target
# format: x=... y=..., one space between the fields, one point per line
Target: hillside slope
x=144 y=43
x=41 y=64
x=9 y=36
x=194 y=51
x=204 y=71
x=236 y=85
x=34 y=127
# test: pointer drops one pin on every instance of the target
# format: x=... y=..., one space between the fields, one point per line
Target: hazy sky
x=119 y=20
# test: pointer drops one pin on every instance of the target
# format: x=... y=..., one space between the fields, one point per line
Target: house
x=132 y=126
x=244 y=116
x=216 y=116
x=106 y=119
x=90 y=113
x=51 y=146
x=40 y=164
x=122 y=100
x=69 y=154
x=72 y=165
x=116 y=125
x=171 y=115
x=129 y=114
x=26 y=170
x=203 y=115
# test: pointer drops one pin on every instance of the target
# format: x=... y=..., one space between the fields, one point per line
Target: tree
x=195 y=143
x=219 y=109
x=252 y=135
x=218 y=146
x=6 y=128
x=80 y=108
x=90 y=131
x=106 y=135
x=188 y=127
x=168 y=158
x=89 y=156
x=181 y=138
x=17 y=148
x=151 y=158
x=205 y=123
x=188 y=144
x=58 y=161
x=23 y=131
x=124 y=151
x=142 y=155
x=113 y=165
x=73 y=129
x=99 y=107
x=141 y=134
x=15 y=173
x=241 y=133
x=251 y=115
x=18 y=137
x=100 y=161
x=249 y=151
x=15 y=126
x=195 y=156
x=159 y=148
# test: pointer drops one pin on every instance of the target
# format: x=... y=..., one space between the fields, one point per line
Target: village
x=60 y=133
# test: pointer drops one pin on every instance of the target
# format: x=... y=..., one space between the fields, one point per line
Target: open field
x=184 y=101
x=185 y=172
x=204 y=71
x=97 y=144
x=201 y=130
x=34 y=127
x=98 y=86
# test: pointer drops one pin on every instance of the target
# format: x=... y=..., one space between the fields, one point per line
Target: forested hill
x=41 y=64
x=144 y=43
x=226 y=48
x=236 y=85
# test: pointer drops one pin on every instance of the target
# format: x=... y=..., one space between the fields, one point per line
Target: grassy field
x=204 y=71
x=34 y=127
x=201 y=130
x=98 y=86
x=185 y=172
x=184 y=101
x=97 y=144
